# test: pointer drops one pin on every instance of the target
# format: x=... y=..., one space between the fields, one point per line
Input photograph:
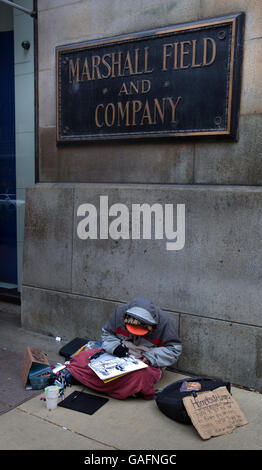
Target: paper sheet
x=107 y=366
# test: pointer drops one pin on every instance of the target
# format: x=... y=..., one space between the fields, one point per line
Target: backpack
x=170 y=399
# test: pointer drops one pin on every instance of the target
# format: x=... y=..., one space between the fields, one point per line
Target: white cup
x=51 y=397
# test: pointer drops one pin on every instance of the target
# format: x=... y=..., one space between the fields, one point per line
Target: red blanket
x=140 y=381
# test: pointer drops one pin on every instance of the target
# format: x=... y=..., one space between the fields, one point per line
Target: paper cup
x=51 y=396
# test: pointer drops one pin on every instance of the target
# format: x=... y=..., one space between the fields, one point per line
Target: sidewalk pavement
x=131 y=424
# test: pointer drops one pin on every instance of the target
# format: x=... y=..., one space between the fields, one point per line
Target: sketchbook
x=108 y=367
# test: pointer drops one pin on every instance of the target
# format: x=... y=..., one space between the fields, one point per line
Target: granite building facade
x=212 y=286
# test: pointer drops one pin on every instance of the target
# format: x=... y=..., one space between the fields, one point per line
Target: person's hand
x=121 y=351
x=145 y=360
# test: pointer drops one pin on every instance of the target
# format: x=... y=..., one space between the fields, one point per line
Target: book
x=113 y=378
x=108 y=367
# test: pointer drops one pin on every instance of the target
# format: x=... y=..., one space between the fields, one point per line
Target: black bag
x=70 y=348
x=170 y=400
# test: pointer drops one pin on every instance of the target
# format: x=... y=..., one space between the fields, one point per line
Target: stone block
x=48 y=237
x=252 y=8
x=150 y=162
x=224 y=350
x=47 y=98
x=46 y=312
x=232 y=162
x=66 y=315
x=217 y=273
x=82 y=21
x=251 y=100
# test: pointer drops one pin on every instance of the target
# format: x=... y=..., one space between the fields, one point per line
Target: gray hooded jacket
x=162 y=347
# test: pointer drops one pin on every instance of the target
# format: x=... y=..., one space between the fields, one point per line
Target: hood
x=143 y=303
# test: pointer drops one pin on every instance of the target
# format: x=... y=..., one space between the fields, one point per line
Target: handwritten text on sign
x=214 y=413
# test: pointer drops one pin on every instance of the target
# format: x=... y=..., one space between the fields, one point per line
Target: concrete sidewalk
x=132 y=424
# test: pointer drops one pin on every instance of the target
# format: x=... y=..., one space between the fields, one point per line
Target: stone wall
x=211 y=288
x=66 y=22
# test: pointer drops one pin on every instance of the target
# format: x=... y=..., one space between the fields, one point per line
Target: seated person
x=139 y=328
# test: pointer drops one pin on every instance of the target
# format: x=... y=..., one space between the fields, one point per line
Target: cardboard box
x=35 y=362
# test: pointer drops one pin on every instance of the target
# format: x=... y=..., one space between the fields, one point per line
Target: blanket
x=136 y=382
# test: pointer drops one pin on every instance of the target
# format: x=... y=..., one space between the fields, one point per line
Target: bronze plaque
x=178 y=81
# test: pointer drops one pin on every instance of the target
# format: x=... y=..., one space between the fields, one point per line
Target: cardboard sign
x=214 y=413
x=35 y=361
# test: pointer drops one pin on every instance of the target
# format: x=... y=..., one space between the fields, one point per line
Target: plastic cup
x=51 y=397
